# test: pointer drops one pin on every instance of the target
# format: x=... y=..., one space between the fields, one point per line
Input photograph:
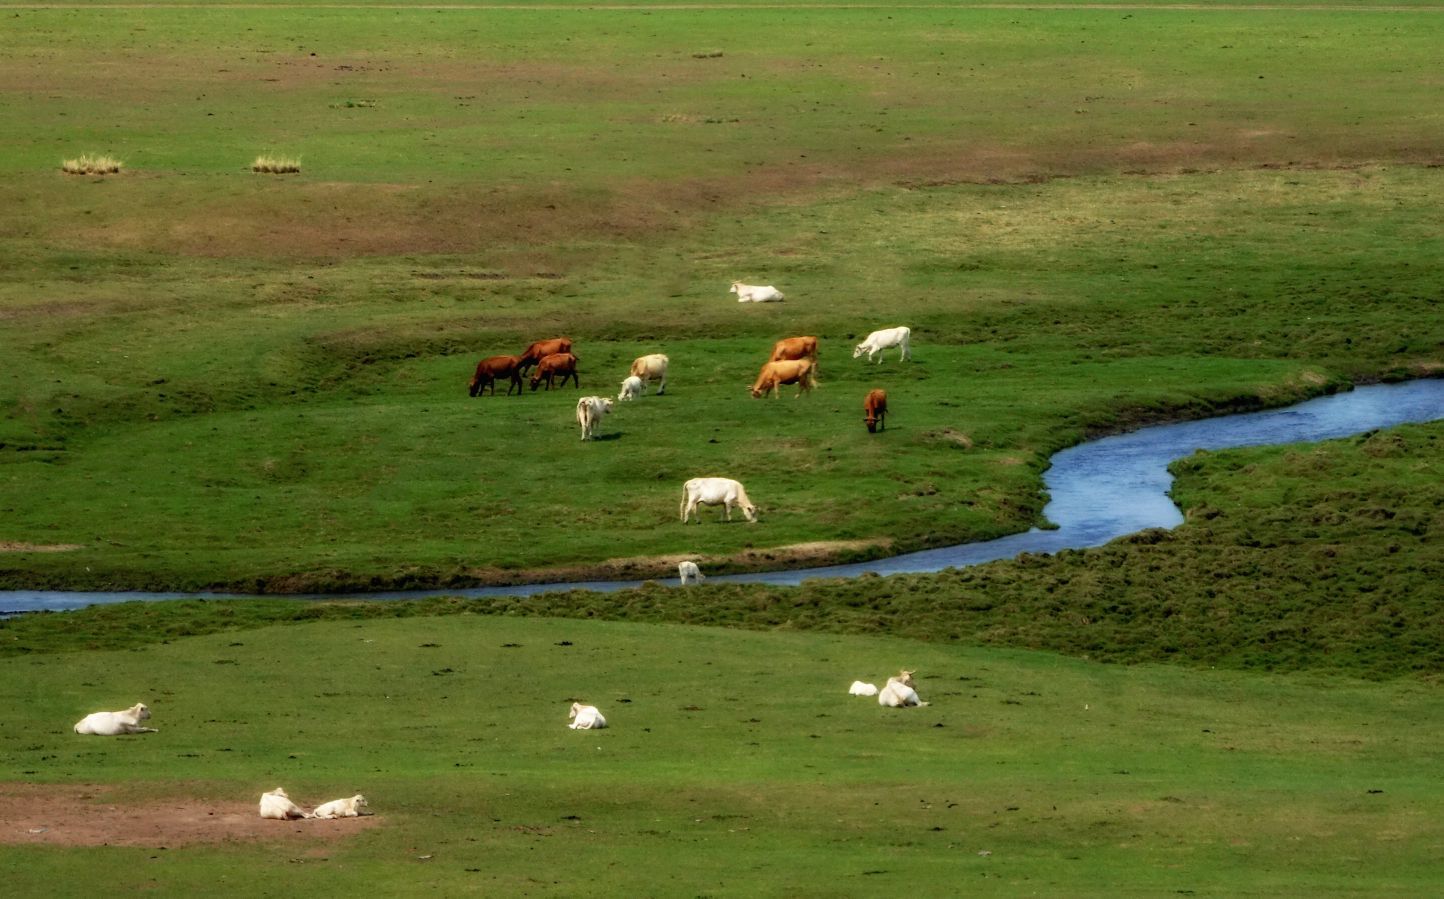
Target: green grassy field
x=1091 y=217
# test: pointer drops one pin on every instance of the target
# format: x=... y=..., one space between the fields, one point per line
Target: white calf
x=888 y=338
x=113 y=724
x=631 y=388
x=586 y=717
x=649 y=367
x=590 y=410
x=859 y=688
x=276 y=804
x=353 y=807
x=713 y=492
x=688 y=571
x=756 y=293
x=899 y=693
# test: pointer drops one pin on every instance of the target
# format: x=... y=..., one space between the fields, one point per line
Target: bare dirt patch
x=90 y=815
x=10 y=546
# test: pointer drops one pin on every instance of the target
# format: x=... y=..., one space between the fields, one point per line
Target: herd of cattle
x=793 y=360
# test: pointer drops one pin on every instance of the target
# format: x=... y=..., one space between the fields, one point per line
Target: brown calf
x=493 y=367
x=793 y=371
x=564 y=364
x=542 y=349
x=875 y=410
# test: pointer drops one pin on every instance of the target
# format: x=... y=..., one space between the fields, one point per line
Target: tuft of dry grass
x=275 y=165
x=91 y=165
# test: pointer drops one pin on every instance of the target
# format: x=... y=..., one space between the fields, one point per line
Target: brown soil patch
x=85 y=815
x=9 y=546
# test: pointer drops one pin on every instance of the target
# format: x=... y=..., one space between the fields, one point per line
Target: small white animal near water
x=586 y=717
x=688 y=571
x=114 y=724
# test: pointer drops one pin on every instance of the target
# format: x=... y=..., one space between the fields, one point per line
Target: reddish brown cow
x=543 y=348
x=493 y=367
x=875 y=410
x=792 y=371
x=795 y=348
x=564 y=364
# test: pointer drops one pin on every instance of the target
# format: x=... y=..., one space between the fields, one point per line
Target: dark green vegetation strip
x=1335 y=565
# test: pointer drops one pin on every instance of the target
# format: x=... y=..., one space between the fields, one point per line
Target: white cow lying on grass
x=277 y=805
x=756 y=293
x=632 y=388
x=688 y=571
x=885 y=339
x=590 y=411
x=859 y=688
x=586 y=717
x=714 y=492
x=353 y=807
x=899 y=693
x=113 y=724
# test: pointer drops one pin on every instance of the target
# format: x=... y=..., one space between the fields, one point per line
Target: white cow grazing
x=586 y=717
x=113 y=724
x=885 y=339
x=713 y=492
x=276 y=804
x=899 y=693
x=756 y=293
x=649 y=367
x=859 y=688
x=631 y=388
x=688 y=571
x=590 y=410
x=353 y=807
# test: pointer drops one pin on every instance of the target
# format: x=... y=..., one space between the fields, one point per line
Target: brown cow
x=793 y=371
x=795 y=348
x=875 y=410
x=564 y=364
x=543 y=348
x=493 y=367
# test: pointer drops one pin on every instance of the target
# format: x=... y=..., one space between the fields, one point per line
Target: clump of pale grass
x=90 y=165
x=276 y=165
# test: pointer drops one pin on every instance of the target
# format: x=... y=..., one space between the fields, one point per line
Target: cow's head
x=859 y=350
x=535 y=379
x=871 y=422
x=735 y=288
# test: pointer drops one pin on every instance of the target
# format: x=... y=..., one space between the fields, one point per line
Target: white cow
x=756 y=293
x=649 y=367
x=590 y=410
x=715 y=491
x=631 y=388
x=899 y=693
x=586 y=717
x=277 y=805
x=113 y=724
x=887 y=338
x=354 y=807
x=688 y=571
x=859 y=688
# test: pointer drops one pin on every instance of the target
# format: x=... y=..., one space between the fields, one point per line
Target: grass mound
x=91 y=165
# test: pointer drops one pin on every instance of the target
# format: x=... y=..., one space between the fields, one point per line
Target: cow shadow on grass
x=615 y=435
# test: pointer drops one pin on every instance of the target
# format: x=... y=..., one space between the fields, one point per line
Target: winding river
x=1098 y=491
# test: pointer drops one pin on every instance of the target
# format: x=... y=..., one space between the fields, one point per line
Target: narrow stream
x=1100 y=490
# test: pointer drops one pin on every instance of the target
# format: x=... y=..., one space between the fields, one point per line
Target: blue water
x=1099 y=491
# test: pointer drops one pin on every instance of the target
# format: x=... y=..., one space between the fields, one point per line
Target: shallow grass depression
x=1091 y=217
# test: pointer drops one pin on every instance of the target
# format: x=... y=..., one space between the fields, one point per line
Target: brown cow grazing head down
x=793 y=371
x=557 y=364
x=493 y=367
x=875 y=410
x=543 y=348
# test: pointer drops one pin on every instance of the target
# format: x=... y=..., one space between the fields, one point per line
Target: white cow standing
x=688 y=571
x=899 y=692
x=278 y=806
x=756 y=293
x=351 y=807
x=590 y=410
x=715 y=492
x=632 y=388
x=885 y=339
x=586 y=717
x=114 y=724
x=649 y=367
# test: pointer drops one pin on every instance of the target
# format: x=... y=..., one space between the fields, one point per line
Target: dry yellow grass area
x=275 y=165
x=91 y=165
